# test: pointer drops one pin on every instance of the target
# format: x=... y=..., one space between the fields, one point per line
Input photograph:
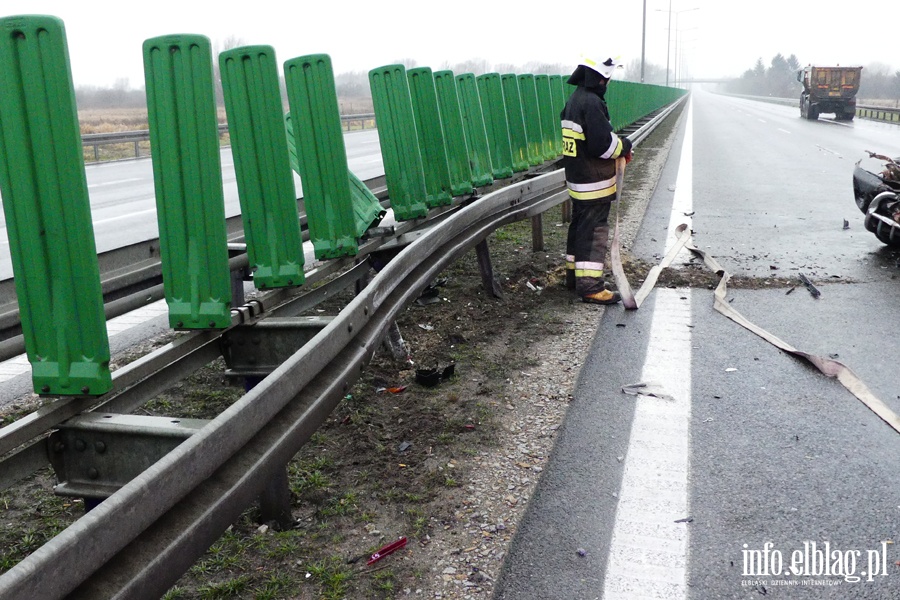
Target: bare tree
x=220 y=46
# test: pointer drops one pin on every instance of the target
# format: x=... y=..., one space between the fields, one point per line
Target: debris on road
x=647 y=388
x=809 y=285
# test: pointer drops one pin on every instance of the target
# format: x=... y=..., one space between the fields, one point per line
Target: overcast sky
x=715 y=37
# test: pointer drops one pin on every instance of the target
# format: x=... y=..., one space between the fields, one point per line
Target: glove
x=626 y=150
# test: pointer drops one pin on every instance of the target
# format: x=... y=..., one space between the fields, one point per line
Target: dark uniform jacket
x=590 y=146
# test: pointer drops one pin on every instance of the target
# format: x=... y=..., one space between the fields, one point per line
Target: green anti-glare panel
x=399 y=141
x=334 y=223
x=262 y=168
x=454 y=135
x=47 y=209
x=491 y=93
x=550 y=125
x=515 y=121
x=431 y=136
x=532 y=119
x=629 y=101
x=184 y=139
x=367 y=210
x=559 y=102
x=473 y=125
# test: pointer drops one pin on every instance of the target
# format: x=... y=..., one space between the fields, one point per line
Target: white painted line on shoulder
x=649 y=549
x=648 y=553
x=682 y=202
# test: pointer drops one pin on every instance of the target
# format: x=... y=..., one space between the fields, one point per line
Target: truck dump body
x=829 y=90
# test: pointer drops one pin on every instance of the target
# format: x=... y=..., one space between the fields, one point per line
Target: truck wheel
x=812 y=113
x=803 y=108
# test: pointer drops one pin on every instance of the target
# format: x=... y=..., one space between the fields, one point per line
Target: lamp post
x=669 y=39
x=643 y=40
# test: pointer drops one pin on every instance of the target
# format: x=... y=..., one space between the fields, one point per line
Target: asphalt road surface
x=123 y=204
x=750 y=474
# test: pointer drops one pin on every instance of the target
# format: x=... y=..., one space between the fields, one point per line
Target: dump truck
x=829 y=90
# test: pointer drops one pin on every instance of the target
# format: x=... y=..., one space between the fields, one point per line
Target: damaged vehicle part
x=876 y=188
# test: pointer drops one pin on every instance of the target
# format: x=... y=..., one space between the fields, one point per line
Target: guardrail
x=878 y=113
x=173 y=509
x=96 y=140
x=865 y=111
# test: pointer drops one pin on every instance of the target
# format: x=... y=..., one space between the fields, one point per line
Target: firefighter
x=590 y=150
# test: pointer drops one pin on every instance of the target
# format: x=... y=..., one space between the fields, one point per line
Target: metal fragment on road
x=809 y=285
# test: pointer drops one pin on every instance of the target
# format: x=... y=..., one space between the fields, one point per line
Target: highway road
x=123 y=204
x=753 y=475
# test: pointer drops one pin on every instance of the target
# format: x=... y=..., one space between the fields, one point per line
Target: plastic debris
x=685 y=520
x=581 y=552
x=404 y=447
x=389 y=549
x=432 y=377
x=647 y=388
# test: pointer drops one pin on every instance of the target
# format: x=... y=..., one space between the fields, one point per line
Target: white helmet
x=605 y=66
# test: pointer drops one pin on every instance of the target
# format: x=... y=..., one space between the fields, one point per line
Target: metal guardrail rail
x=96 y=140
x=865 y=111
x=170 y=514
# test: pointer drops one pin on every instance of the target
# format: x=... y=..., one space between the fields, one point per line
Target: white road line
x=784 y=131
x=649 y=550
x=682 y=203
x=128 y=216
x=117 y=182
x=648 y=553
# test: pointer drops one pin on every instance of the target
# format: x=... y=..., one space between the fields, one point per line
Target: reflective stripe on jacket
x=590 y=146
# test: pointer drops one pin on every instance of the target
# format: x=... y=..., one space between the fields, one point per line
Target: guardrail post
x=47 y=210
x=399 y=141
x=516 y=121
x=454 y=135
x=551 y=130
x=262 y=168
x=187 y=175
x=532 y=119
x=339 y=208
x=473 y=125
x=496 y=126
x=431 y=137
x=275 y=501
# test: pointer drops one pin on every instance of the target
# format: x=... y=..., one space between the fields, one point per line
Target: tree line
x=779 y=80
x=352 y=86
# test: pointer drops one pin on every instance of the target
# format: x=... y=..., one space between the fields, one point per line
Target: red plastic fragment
x=389 y=549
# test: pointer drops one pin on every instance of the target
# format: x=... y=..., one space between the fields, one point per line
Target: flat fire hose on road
x=826 y=366
x=631 y=301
